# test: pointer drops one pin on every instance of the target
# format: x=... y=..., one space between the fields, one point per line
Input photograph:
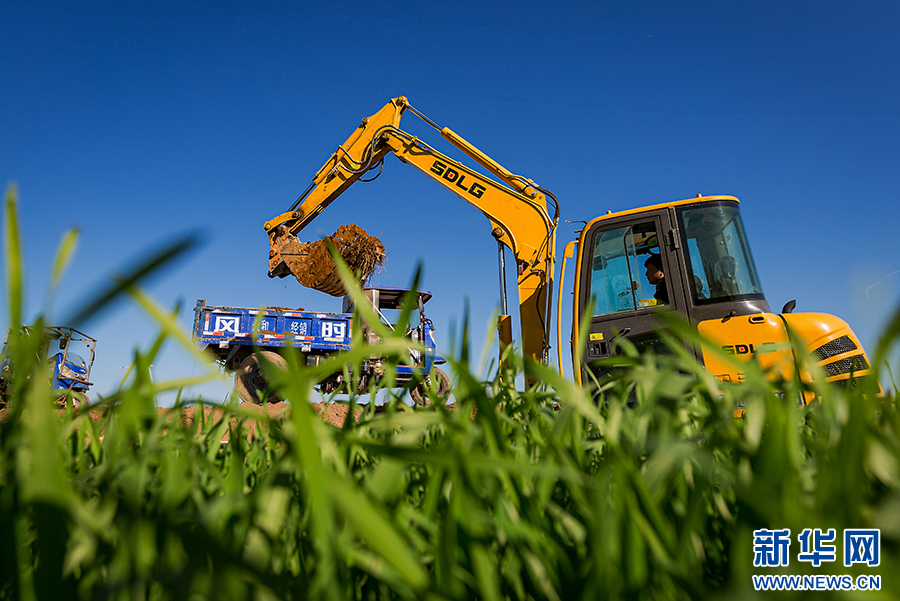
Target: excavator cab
x=707 y=272
x=710 y=278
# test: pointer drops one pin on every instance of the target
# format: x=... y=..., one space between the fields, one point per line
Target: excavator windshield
x=719 y=264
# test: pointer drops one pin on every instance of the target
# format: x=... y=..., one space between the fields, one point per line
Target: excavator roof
x=674 y=203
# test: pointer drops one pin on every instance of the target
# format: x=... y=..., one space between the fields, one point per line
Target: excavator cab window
x=720 y=266
x=618 y=282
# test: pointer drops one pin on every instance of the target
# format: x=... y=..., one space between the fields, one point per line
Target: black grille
x=835 y=347
x=850 y=383
x=845 y=365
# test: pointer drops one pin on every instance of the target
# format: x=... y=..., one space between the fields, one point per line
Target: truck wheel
x=419 y=394
x=79 y=399
x=250 y=381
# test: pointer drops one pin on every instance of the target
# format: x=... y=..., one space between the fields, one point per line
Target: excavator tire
x=419 y=394
x=250 y=381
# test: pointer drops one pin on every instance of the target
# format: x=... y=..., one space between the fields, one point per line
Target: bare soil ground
x=332 y=413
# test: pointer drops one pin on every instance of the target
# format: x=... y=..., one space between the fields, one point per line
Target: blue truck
x=228 y=332
x=70 y=354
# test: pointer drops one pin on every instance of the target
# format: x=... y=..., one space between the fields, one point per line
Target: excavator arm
x=515 y=207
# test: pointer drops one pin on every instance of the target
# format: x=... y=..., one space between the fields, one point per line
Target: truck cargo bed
x=229 y=331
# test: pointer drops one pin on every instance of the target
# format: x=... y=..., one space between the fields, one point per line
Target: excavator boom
x=515 y=206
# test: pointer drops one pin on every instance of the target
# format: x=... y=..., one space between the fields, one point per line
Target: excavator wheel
x=419 y=394
x=250 y=381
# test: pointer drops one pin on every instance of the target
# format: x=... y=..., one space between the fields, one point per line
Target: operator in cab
x=656 y=277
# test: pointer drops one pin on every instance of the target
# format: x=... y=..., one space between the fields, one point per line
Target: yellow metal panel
x=817 y=330
x=765 y=339
x=761 y=338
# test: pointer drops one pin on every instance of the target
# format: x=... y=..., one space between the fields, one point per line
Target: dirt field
x=333 y=414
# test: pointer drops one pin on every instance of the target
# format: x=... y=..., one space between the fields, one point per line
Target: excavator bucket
x=311 y=262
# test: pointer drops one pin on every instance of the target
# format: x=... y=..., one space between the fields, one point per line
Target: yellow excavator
x=690 y=256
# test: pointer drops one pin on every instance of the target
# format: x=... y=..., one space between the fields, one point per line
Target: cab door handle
x=622 y=334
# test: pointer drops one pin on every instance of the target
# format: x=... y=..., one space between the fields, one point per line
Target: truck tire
x=79 y=399
x=419 y=394
x=250 y=381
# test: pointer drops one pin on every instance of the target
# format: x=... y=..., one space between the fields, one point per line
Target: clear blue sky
x=139 y=122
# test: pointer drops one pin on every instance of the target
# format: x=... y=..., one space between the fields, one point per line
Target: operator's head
x=654 y=269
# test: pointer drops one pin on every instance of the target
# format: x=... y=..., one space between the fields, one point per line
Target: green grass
x=555 y=493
